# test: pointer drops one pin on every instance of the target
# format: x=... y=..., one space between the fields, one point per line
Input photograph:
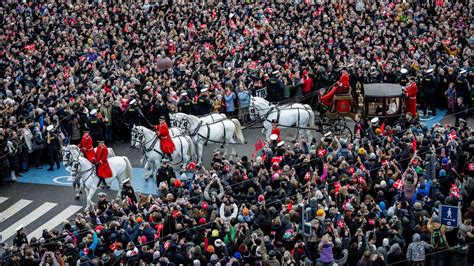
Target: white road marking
x=14 y=209
x=55 y=221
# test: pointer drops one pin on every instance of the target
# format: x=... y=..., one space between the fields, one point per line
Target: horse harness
x=152 y=148
x=207 y=139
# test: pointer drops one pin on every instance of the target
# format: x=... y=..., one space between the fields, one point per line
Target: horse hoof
x=77 y=197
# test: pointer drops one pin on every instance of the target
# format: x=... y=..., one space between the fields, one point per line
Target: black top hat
x=100 y=139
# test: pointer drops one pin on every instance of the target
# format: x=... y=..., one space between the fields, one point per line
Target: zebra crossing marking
x=55 y=221
x=28 y=219
x=3 y=199
x=18 y=206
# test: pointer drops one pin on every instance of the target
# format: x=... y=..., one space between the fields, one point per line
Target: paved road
x=47 y=205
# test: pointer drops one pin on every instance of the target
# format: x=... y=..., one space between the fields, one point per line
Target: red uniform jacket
x=307 y=84
x=101 y=155
x=341 y=87
x=86 y=147
x=276 y=131
x=166 y=143
x=410 y=100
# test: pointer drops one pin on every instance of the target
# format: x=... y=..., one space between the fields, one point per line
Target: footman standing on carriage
x=86 y=146
x=166 y=143
x=100 y=159
x=341 y=87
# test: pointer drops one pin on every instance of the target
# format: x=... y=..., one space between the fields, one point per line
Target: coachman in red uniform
x=166 y=143
x=101 y=155
x=86 y=146
x=342 y=87
x=276 y=130
x=410 y=100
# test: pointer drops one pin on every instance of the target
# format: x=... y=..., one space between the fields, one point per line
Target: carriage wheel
x=342 y=131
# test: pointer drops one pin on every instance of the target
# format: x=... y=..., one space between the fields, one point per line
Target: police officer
x=53 y=145
x=403 y=78
x=127 y=191
x=165 y=173
x=462 y=87
x=185 y=104
x=102 y=203
x=4 y=163
x=20 y=237
x=132 y=115
x=95 y=126
x=428 y=87
x=274 y=88
x=203 y=103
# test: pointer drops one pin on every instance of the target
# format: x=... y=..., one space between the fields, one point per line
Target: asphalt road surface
x=41 y=206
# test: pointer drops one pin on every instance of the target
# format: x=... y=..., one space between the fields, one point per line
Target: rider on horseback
x=86 y=146
x=100 y=159
x=166 y=143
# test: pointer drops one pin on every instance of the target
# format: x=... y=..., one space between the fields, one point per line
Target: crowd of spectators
x=372 y=200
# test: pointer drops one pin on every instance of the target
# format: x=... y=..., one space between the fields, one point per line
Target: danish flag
x=399 y=184
x=455 y=191
x=191 y=166
x=470 y=166
x=167 y=244
x=322 y=152
x=452 y=136
x=340 y=223
x=277 y=159
x=361 y=180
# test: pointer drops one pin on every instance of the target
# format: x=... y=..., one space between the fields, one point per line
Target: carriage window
x=375 y=106
x=392 y=105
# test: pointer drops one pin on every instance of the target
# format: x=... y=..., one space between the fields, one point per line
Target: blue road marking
x=430 y=122
x=61 y=177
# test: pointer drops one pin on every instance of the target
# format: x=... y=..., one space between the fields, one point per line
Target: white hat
x=281 y=143
x=351 y=64
x=403 y=70
x=275 y=72
x=374 y=120
x=328 y=134
x=165 y=160
x=204 y=90
x=184 y=94
x=273 y=137
x=125 y=181
x=429 y=71
x=463 y=71
x=93 y=112
x=133 y=101
x=102 y=194
x=85 y=111
x=19 y=227
x=50 y=128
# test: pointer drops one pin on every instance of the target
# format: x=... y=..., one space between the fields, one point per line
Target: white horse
x=147 y=140
x=75 y=153
x=220 y=131
x=299 y=115
x=178 y=119
x=83 y=169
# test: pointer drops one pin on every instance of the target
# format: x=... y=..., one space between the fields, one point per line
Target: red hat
x=139 y=220
x=202 y=220
x=261 y=197
x=204 y=205
x=177 y=183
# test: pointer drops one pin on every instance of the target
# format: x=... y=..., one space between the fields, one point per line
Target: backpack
x=437 y=239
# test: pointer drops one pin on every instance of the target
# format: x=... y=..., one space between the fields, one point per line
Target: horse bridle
x=257 y=114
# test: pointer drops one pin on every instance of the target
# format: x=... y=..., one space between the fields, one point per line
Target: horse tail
x=192 y=148
x=111 y=153
x=238 y=131
x=128 y=168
